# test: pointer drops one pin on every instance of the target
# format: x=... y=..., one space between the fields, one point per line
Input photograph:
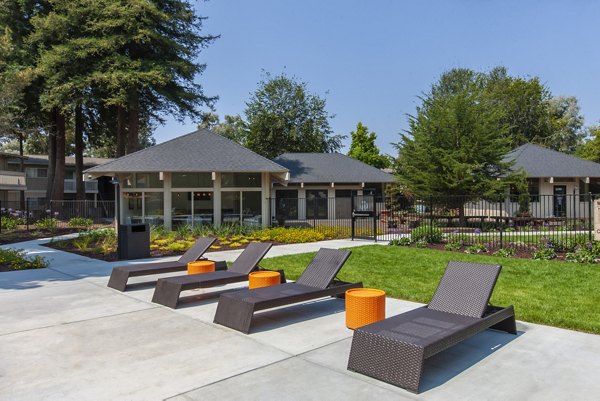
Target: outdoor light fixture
x=551 y=181
x=160 y=175
x=332 y=185
x=213 y=175
x=587 y=180
x=362 y=184
x=301 y=185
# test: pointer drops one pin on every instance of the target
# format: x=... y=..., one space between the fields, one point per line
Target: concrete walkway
x=65 y=336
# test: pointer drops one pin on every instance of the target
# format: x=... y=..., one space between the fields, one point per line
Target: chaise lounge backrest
x=323 y=268
x=197 y=250
x=250 y=257
x=465 y=289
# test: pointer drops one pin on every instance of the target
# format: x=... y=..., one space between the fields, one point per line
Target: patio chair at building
x=394 y=350
x=236 y=309
x=120 y=275
x=168 y=289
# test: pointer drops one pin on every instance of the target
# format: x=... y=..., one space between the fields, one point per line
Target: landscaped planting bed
x=571 y=248
x=15 y=259
x=102 y=244
x=14 y=228
x=553 y=292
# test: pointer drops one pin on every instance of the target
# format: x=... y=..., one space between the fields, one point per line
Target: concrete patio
x=65 y=336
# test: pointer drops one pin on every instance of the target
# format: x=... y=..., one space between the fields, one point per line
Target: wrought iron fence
x=515 y=221
x=30 y=215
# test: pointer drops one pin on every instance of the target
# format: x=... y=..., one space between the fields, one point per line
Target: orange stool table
x=364 y=306
x=263 y=279
x=200 y=266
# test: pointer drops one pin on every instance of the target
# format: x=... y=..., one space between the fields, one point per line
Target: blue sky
x=372 y=59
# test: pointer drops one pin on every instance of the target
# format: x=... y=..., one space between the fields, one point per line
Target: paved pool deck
x=65 y=336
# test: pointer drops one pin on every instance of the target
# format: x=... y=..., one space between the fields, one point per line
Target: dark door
x=560 y=201
x=316 y=203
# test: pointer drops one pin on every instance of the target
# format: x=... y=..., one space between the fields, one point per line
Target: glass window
x=181 y=204
x=240 y=180
x=251 y=208
x=128 y=180
x=154 y=208
x=69 y=175
x=192 y=180
x=148 y=180
x=34 y=172
x=133 y=207
x=230 y=207
x=286 y=204
x=533 y=187
x=316 y=203
x=585 y=188
x=203 y=208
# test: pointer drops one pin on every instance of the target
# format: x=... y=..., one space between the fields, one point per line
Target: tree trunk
x=79 y=184
x=121 y=131
x=51 y=156
x=58 y=188
x=134 y=122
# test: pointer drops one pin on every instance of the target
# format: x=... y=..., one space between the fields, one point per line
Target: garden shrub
x=476 y=248
x=15 y=259
x=11 y=222
x=544 y=253
x=422 y=243
x=453 y=246
x=431 y=234
x=46 y=223
x=80 y=222
x=581 y=256
x=505 y=252
x=404 y=241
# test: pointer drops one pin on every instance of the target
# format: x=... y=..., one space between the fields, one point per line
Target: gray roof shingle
x=199 y=151
x=329 y=167
x=538 y=161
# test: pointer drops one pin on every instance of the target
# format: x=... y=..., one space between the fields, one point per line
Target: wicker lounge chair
x=394 y=350
x=235 y=310
x=168 y=289
x=120 y=275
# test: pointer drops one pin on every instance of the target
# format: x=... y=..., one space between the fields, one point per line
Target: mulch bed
x=112 y=257
x=521 y=253
x=12 y=236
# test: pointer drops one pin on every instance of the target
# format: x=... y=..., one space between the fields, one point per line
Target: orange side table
x=364 y=306
x=263 y=279
x=200 y=266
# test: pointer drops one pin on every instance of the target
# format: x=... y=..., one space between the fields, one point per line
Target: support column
x=217 y=199
x=301 y=204
x=265 y=194
x=330 y=203
x=167 y=206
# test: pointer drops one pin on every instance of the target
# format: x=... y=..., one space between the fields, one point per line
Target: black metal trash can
x=134 y=241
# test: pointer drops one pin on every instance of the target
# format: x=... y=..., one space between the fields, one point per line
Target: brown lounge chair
x=394 y=350
x=120 y=275
x=168 y=289
x=235 y=310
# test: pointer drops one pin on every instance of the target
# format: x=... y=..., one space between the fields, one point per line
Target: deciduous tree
x=283 y=116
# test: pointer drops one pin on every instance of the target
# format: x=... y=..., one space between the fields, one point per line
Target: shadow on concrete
x=287 y=315
x=444 y=366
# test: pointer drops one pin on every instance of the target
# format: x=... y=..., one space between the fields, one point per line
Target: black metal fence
x=33 y=215
x=519 y=221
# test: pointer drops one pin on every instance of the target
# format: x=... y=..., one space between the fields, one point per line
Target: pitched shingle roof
x=329 y=167
x=538 y=161
x=69 y=160
x=201 y=151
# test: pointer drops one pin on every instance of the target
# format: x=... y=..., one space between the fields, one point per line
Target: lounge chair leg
x=282 y=275
x=508 y=325
x=118 y=279
x=166 y=293
x=234 y=314
x=394 y=362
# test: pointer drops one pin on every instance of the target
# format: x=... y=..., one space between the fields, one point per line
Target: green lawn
x=548 y=292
